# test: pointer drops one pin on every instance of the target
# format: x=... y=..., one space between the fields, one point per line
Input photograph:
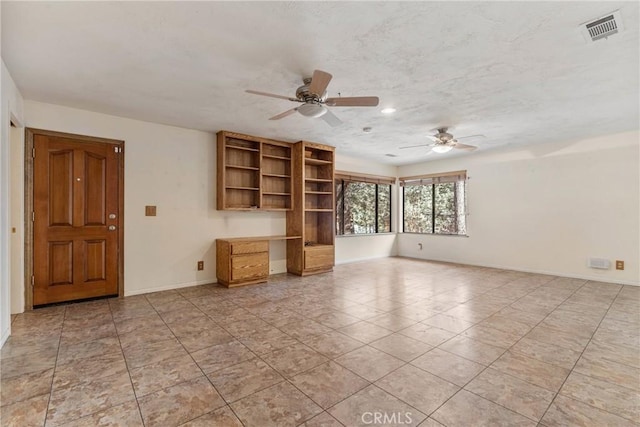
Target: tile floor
x=387 y=342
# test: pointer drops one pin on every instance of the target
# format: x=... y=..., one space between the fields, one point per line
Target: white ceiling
x=519 y=73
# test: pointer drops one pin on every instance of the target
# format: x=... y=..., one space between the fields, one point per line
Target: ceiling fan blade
x=272 y=95
x=331 y=119
x=285 y=114
x=354 y=101
x=472 y=136
x=464 y=147
x=414 y=146
x=319 y=82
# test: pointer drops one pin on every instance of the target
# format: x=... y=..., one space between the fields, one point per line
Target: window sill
x=365 y=235
x=432 y=234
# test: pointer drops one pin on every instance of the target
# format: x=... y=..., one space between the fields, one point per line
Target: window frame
x=433 y=180
x=343 y=179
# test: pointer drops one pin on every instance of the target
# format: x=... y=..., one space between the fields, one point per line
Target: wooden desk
x=244 y=260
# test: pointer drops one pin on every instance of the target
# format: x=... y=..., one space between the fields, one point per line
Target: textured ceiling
x=519 y=73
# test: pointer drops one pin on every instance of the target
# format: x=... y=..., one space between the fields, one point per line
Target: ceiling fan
x=444 y=142
x=313 y=97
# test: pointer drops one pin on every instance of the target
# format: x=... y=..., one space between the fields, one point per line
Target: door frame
x=28 y=205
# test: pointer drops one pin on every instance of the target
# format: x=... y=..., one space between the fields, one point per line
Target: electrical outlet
x=619 y=265
x=200 y=265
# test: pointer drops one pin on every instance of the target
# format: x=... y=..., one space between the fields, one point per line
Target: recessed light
x=388 y=110
x=366 y=129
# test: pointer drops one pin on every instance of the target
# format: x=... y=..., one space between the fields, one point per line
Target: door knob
x=112 y=227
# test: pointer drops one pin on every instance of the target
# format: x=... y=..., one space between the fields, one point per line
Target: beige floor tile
x=333 y=344
x=88 y=369
x=146 y=335
x=26 y=413
x=322 y=420
x=466 y=409
x=365 y=332
x=418 y=388
x=548 y=353
x=506 y=324
x=492 y=336
x=74 y=335
x=603 y=395
x=512 y=393
x=281 y=405
x=623 y=375
x=392 y=322
x=126 y=414
x=148 y=321
x=448 y=366
x=180 y=403
x=328 y=384
x=559 y=338
x=292 y=360
x=221 y=356
x=362 y=312
x=427 y=334
x=430 y=422
x=369 y=363
x=267 y=340
x=198 y=338
x=147 y=353
x=448 y=323
x=472 y=349
x=622 y=337
x=28 y=363
x=243 y=379
x=534 y=371
x=305 y=328
x=84 y=398
x=17 y=346
x=614 y=353
x=569 y=412
x=74 y=352
x=23 y=387
x=401 y=346
x=373 y=406
x=223 y=417
x=336 y=319
x=165 y=373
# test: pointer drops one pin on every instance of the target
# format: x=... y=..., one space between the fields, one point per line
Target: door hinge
x=117 y=149
x=33 y=152
x=33 y=281
x=33 y=215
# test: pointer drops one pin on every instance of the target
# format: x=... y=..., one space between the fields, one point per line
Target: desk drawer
x=249 y=266
x=318 y=257
x=249 y=247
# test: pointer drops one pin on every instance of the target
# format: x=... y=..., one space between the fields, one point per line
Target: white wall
x=545 y=209
x=362 y=247
x=11 y=110
x=174 y=169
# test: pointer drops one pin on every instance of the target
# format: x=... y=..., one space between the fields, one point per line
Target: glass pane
x=339 y=204
x=417 y=209
x=384 y=208
x=359 y=208
x=461 y=206
x=446 y=222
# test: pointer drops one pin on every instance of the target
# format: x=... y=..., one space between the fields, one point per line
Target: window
x=363 y=204
x=434 y=204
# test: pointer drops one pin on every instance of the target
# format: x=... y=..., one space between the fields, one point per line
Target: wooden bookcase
x=312 y=216
x=253 y=173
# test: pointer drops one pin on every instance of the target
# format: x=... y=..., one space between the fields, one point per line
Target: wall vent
x=603 y=27
x=601 y=263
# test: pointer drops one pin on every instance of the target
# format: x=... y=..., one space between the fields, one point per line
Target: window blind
x=360 y=177
x=438 y=178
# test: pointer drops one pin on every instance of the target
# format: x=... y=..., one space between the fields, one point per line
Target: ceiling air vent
x=603 y=27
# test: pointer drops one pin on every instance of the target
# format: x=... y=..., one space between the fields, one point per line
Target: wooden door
x=76 y=219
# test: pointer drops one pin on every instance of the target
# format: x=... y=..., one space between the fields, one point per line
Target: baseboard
x=169 y=287
x=524 y=270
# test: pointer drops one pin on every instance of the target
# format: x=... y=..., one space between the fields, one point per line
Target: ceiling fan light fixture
x=388 y=110
x=312 y=110
x=442 y=148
